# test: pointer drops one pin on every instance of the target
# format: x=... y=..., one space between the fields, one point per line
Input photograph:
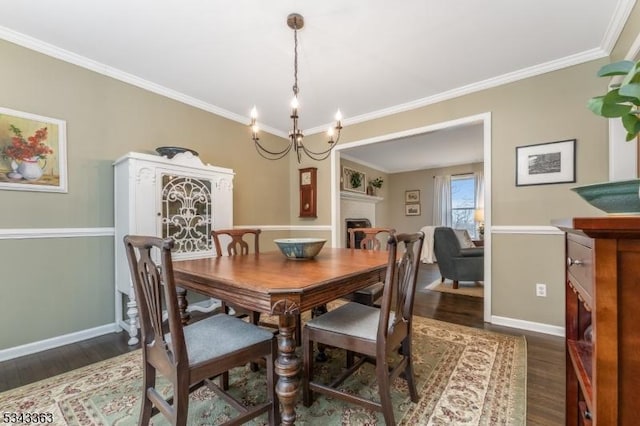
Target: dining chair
x=238 y=246
x=372 y=333
x=190 y=356
x=369 y=240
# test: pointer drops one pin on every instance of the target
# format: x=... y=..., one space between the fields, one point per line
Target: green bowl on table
x=300 y=248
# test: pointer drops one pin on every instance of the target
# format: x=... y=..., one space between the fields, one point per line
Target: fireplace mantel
x=355 y=196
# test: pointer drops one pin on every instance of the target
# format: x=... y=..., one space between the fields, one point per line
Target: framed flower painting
x=33 y=154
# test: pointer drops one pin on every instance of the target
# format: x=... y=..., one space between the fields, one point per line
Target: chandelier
x=295 y=21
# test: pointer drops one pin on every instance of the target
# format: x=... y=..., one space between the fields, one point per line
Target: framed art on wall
x=412 y=196
x=546 y=163
x=412 y=209
x=32 y=152
x=354 y=180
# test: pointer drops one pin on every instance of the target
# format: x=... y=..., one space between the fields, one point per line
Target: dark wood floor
x=545 y=354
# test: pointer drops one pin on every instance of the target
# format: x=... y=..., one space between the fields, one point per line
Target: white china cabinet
x=181 y=198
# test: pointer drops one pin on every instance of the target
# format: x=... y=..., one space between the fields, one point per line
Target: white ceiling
x=452 y=146
x=369 y=58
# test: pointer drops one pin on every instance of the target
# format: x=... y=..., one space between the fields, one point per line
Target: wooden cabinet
x=603 y=321
x=181 y=198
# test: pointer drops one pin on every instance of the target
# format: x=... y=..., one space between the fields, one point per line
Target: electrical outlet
x=541 y=290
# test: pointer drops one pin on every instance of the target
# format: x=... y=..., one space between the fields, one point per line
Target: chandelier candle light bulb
x=295 y=21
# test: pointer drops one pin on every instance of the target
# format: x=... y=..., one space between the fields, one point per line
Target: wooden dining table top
x=269 y=282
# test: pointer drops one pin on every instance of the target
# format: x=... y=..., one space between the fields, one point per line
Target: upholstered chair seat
x=218 y=336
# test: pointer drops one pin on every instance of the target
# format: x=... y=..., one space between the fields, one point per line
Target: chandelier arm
x=272 y=155
x=318 y=155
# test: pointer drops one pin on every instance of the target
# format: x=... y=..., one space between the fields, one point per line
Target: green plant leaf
x=615 y=97
x=595 y=104
x=616 y=68
x=631 y=77
x=631 y=123
x=631 y=90
x=607 y=109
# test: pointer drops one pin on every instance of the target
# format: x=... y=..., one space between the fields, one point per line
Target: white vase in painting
x=30 y=168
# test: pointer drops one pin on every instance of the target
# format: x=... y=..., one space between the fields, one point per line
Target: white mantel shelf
x=356 y=196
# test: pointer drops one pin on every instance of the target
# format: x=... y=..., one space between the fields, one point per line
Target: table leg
x=287 y=367
x=185 y=316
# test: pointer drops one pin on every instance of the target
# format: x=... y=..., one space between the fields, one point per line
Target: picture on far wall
x=412 y=196
x=412 y=209
x=354 y=180
x=546 y=163
x=32 y=152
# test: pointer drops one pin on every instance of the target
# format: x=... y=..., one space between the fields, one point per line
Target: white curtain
x=442 y=201
x=479 y=178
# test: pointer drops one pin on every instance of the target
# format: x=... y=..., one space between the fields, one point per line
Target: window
x=463 y=203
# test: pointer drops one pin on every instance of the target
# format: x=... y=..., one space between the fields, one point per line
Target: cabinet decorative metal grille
x=186 y=214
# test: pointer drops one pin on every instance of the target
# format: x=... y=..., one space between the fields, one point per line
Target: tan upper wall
x=546 y=108
x=107 y=118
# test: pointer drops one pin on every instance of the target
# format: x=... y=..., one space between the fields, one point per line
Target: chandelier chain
x=295 y=62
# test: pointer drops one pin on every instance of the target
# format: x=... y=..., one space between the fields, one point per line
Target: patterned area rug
x=467 y=288
x=464 y=376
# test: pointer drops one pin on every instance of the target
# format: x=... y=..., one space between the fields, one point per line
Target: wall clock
x=308 y=194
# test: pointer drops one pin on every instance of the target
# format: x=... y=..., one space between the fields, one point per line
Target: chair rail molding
x=525 y=229
x=31 y=233
x=286 y=227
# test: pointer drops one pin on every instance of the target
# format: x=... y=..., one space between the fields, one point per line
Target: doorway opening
x=483 y=119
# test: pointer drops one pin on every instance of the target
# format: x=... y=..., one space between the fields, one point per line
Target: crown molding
x=616 y=25
x=84 y=62
x=511 y=77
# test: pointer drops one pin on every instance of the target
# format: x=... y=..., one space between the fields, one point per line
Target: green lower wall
x=55 y=286
x=519 y=262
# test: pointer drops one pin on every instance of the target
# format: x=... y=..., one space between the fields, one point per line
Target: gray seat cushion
x=353 y=319
x=220 y=335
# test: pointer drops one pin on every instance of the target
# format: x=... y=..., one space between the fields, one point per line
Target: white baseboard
x=528 y=325
x=54 y=342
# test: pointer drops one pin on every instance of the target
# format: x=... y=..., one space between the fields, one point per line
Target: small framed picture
x=412 y=209
x=546 y=163
x=33 y=152
x=353 y=180
x=412 y=196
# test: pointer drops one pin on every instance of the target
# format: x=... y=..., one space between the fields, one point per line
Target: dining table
x=270 y=283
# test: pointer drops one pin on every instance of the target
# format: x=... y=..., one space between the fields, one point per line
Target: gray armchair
x=457 y=263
